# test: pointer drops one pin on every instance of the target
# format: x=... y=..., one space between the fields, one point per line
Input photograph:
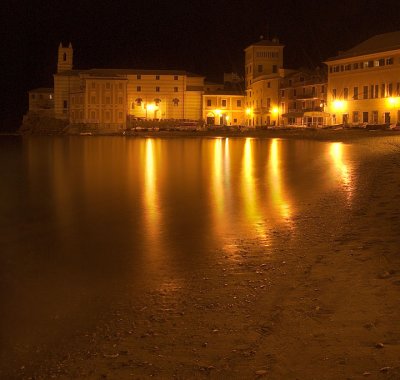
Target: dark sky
x=207 y=37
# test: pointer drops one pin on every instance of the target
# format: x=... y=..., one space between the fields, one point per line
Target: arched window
x=175 y=101
x=139 y=101
x=157 y=101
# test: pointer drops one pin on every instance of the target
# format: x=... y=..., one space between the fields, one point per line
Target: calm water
x=82 y=217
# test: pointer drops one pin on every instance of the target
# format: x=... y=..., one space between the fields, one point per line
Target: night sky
x=206 y=37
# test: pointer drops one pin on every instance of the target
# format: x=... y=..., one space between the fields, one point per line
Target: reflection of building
x=303 y=98
x=364 y=82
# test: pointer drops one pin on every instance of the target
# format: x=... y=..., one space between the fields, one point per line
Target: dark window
x=138 y=76
x=223 y=102
x=390 y=89
x=345 y=93
x=65 y=104
x=260 y=68
x=365 y=117
x=176 y=77
x=138 y=88
x=274 y=68
x=365 y=92
x=157 y=89
x=157 y=77
x=64 y=57
x=355 y=93
x=208 y=102
x=238 y=103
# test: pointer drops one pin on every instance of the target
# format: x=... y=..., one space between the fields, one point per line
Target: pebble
x=366 y=373
x=379 y=345
x=261 y=372
x=385 y=369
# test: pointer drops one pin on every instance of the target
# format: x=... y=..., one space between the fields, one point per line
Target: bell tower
x=65 y=58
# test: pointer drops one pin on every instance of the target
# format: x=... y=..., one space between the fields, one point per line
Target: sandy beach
x=321 y=302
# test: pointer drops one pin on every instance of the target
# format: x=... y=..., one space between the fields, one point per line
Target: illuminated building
x=223 y=105
x=364 y=82
x=303 y=98
x=263 y=72
x=107 y=98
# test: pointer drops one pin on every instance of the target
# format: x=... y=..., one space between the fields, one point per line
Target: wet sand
x=322 y=302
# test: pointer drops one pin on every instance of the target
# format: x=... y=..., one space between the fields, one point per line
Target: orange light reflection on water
x=151 y=201
x=276 y=182
x=342 y=168
x=249 y=192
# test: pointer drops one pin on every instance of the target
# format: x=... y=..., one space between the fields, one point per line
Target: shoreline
x=308 y=134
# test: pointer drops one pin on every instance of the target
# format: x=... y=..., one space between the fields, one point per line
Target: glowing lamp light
x=218 y=112
x=339 y=105
x=275 y=110
x=151 y=107
x=248 y=111
x=394 y=101
x=227 y=117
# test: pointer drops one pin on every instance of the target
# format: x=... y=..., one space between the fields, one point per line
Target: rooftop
x=375 y=44
x=124 y=72
x=42 y=90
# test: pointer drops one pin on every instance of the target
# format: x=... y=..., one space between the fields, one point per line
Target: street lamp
x=275 y=110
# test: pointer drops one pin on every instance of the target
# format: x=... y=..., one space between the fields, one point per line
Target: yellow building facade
x=224 y=108
x=110 y=98
x=364 y=82
x=263 y=72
